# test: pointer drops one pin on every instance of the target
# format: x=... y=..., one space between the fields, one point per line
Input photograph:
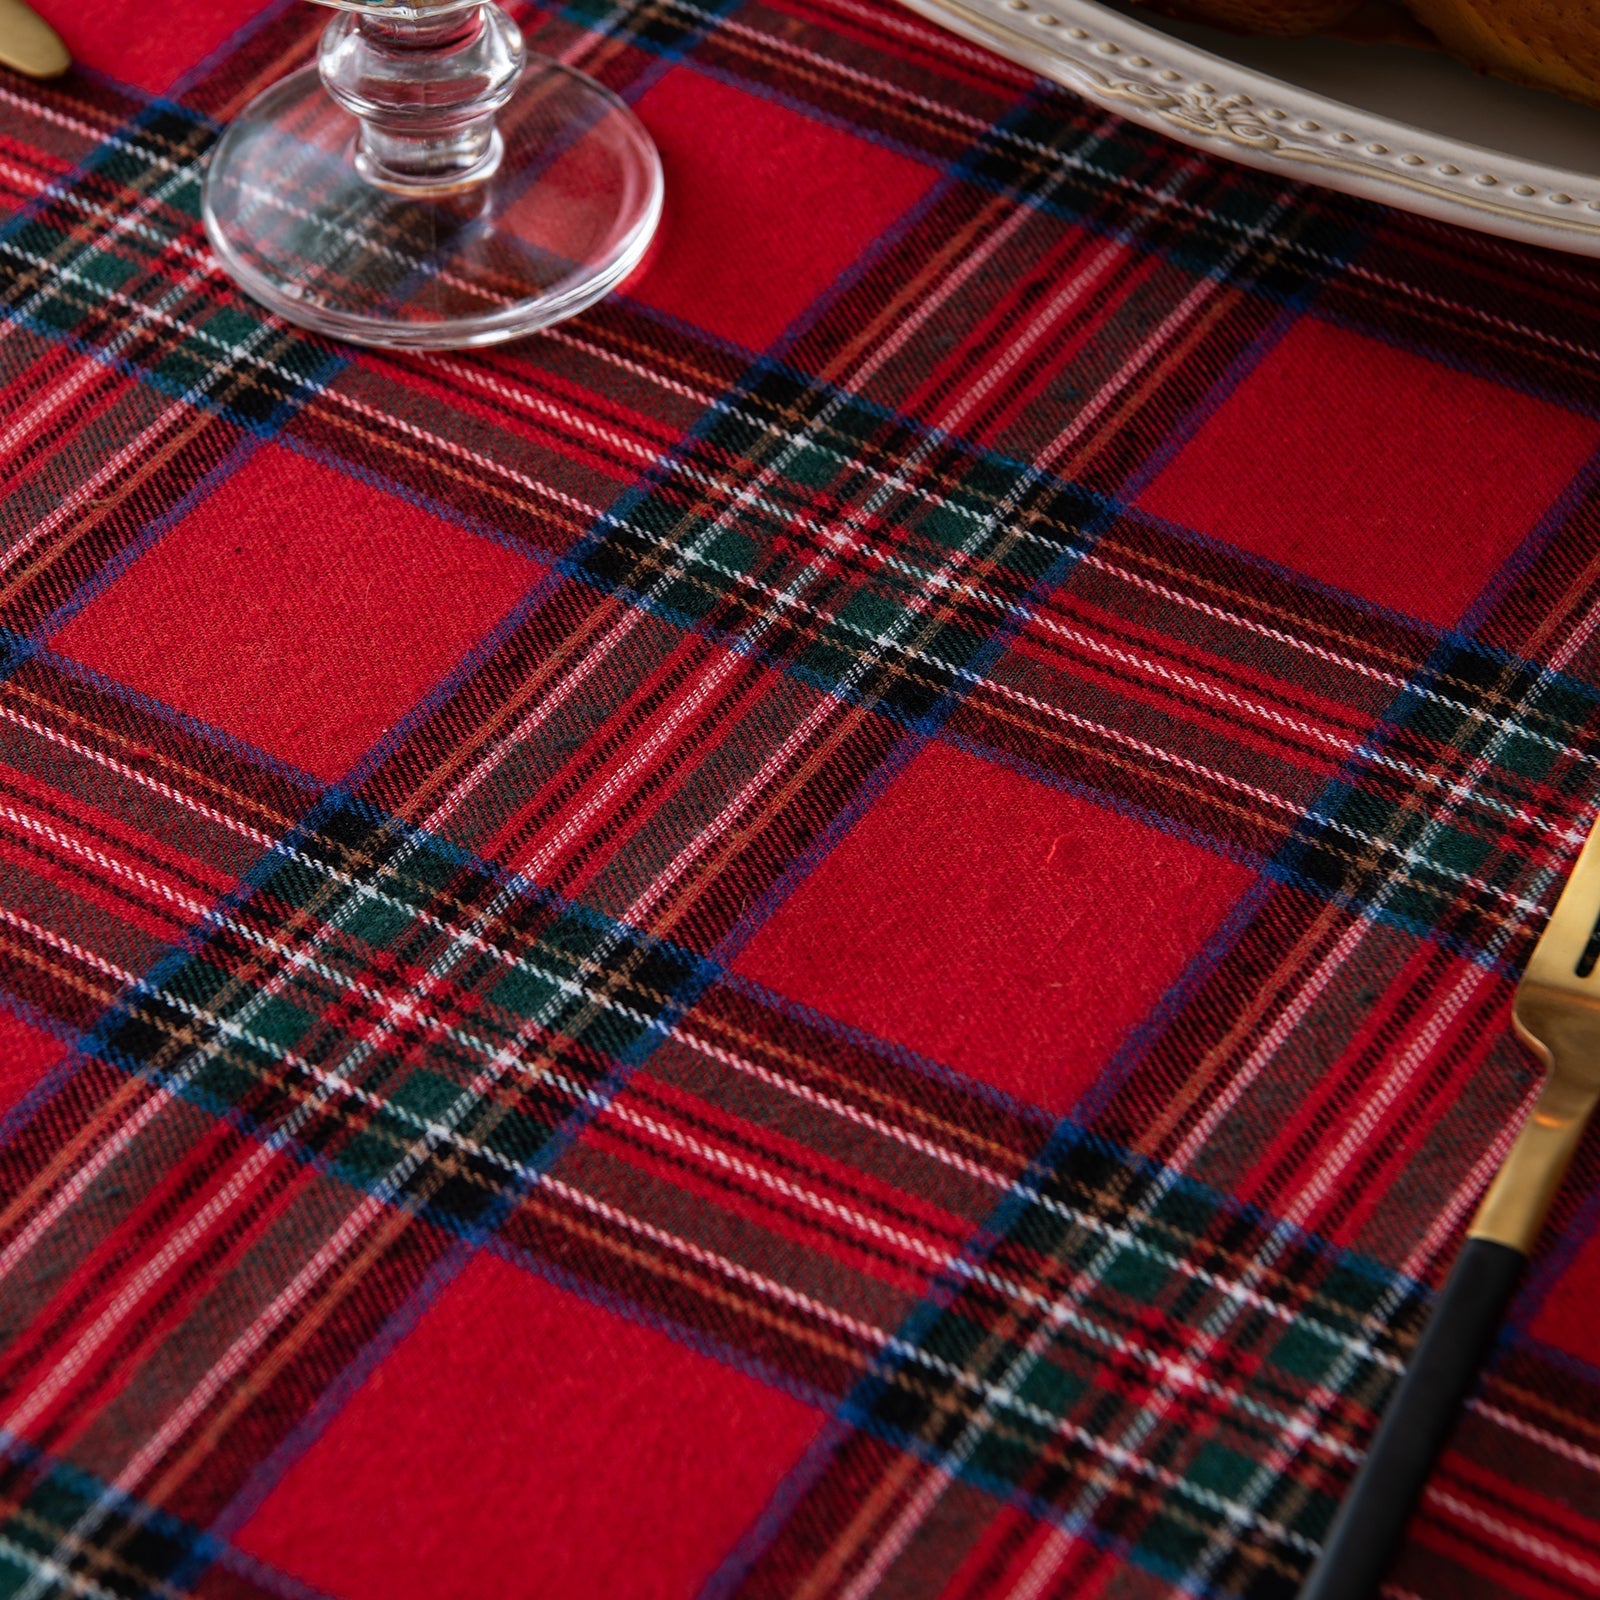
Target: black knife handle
x=1366 y=1533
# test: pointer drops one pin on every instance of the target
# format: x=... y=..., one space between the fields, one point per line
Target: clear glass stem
x=425 y=90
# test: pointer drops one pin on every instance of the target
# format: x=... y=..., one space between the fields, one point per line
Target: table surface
x=844 y=929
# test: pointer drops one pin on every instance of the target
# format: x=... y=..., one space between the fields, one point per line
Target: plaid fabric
x=844 y=929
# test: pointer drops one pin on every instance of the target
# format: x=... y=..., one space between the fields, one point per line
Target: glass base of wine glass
x=567 y=208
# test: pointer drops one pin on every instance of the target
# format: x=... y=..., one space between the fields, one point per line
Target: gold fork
x=1557 y=1014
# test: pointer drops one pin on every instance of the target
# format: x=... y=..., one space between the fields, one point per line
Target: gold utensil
x=1557 y=1014
x=29 y=44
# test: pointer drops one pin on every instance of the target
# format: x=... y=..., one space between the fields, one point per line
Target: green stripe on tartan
x=937 y=546
x=521 y=1009
x=1057 y=1374
x=74 y=271
x=1476 y=866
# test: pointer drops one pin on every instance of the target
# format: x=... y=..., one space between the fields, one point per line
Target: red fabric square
x=966 y=916
x=765 y=207
x=522 y=1442
x=26 y=1055
x=1375 y=470
x=1567 y=1319
x=299 y=609
x=127 y=41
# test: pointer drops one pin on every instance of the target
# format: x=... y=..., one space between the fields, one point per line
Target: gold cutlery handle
x=28 y=43
x=1514 y=1209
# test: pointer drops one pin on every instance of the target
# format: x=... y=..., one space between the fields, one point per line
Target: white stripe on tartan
x=90 y=365
x=460 y=1036
x=940 y=40
x=47 y=1570
x=29 y=823
x=81 y=1177
x=1458 y=791
x=727 y=1058
x=1013 y=610
x=704 y=838
x=1541 y=1550
x=151 y=1272
x=104 y=135
x=144 y=1282
x=1388 y=1092
x=1543 y=1437
x=144 y=780
x=1471 y=1188
x=1047 y=1560
x=1117 y=1234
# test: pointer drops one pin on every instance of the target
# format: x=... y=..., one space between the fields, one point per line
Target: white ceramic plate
x=1411 y=128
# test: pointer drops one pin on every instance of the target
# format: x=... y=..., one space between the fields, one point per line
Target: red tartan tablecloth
x=844 y=929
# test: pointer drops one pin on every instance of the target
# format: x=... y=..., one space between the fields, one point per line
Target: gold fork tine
x=1557 y=1014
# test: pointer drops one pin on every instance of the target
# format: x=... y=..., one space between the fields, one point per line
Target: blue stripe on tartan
x=700 y=972
x=394 y=737
x=266 y=1476
x=154 y=532
x=469 y=1234
x=963 y=167
x=209 y=63
x=22 y=1112
x=1067 y=1135
x=911 y=1325
x=158 y=710
x=267 y=1472
x=1534 y=544
x=855 y=1408
x=1457 y=358
x=667 y=55
x=264 y=430
x=329 y=360
x=783 y=1502
x=1181 y=432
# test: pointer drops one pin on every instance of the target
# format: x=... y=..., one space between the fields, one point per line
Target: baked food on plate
x=1547 y=44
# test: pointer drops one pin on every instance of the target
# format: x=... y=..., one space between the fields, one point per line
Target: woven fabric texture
x=845 y=929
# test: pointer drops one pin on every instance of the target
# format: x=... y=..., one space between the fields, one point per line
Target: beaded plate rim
x=1215 y=104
